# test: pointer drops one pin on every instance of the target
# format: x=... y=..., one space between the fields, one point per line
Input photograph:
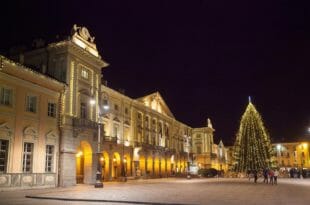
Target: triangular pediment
x=156 y=102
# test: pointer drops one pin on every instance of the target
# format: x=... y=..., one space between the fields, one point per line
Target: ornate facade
x=29 y=126
x=59 y=124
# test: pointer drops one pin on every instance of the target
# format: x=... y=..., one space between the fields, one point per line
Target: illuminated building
x=30 y=105
x=291 y=155
x=136 y=138
x=128 y=137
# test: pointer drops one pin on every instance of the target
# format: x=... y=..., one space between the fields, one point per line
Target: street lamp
x=99 y=183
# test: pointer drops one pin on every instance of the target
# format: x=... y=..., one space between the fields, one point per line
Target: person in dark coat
x=255 y=176
x=265 y=173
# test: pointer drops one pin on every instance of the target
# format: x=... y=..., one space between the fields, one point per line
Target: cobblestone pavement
x=169 y=191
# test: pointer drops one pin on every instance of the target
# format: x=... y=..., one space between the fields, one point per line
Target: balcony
x=84 y=123
x=213 y=156
x=137 y=144
x=110 y=139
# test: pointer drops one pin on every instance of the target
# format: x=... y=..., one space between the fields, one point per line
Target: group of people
x=270 y=175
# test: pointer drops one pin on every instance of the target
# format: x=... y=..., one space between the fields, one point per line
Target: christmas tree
x=252 y=149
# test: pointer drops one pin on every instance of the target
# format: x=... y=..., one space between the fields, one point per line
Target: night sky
x=204 y=57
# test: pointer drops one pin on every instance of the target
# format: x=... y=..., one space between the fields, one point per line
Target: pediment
x=116 y=119
x=5 y=130
x=156 y=102
x=30 y=131
x=4 y=126
x=51 y=134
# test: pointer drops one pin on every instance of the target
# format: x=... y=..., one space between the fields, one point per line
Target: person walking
x=265 y=173
x=271 y=176
x=276 y=174
x=255 y=176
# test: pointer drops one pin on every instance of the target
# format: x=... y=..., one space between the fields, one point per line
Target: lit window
x=4 y=146
x=6 y=96
x=84 y=73
x=51 y=112
x=31 y=104
x=27 y=157
x=49 y=158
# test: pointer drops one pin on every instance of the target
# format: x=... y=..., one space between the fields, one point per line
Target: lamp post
x=99 y=183
x=188 y=176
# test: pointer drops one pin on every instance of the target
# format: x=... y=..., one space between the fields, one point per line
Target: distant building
x=291 y=155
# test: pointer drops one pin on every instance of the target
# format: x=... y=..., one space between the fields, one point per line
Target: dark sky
x=204 y=57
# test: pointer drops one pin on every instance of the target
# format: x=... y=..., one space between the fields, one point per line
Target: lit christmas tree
x=252 y=149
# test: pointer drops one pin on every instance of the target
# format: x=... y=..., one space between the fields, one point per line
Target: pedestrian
x=271 y=176
x=255 y=176
x=265 y=173
x=276 y=174
x=249 y=172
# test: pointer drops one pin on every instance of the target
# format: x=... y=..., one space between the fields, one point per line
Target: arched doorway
x=141 y=170
x=127 y=165
x=150 y=170
x=156 y=165
x=84 y=163
x=105 y=165
x=116 y=168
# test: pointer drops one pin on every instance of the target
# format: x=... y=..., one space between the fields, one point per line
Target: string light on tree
x=252 y=149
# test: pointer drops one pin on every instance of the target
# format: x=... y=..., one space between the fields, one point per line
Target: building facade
x=29 y=126
x=291 y=155
x=59 y=125
x=95 y=128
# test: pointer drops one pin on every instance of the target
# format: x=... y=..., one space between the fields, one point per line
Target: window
x=4 y=146
x=84 y=73
x=31 y=104
x=198 y=150
x=49 y=158
x=83 y=111
x=27 y=157
x=51 y=111
x=6 y=96
x=115 y=130
x=146 y=122
x=116 y=107
x=126 y=111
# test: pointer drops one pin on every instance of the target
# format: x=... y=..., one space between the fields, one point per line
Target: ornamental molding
x=30 y=131
x=5 y=130
x=83 y=32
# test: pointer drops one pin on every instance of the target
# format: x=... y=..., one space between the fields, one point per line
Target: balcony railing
x=110 y=139
x=84 y=123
